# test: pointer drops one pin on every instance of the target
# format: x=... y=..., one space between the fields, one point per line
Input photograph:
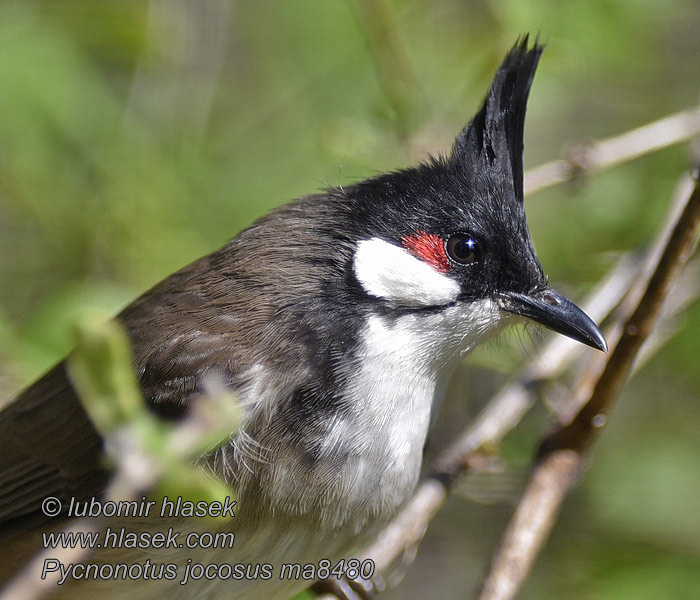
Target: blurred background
x=136 y=136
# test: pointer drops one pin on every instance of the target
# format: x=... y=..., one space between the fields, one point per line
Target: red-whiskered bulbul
x=337 y=320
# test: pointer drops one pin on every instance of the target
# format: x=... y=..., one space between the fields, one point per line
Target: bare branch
x=614 y=151
x=631 y=297
x=536 y=512
x=563 y=453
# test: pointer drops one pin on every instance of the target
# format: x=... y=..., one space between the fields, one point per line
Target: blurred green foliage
x=100 y=368
x=136 y=136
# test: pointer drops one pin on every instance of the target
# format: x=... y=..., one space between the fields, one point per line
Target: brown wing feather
x=220 y=316
x=49 y=448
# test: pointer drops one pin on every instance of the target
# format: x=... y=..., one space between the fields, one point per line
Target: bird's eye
x=462 y=249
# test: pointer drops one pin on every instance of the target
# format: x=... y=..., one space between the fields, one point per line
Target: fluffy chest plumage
x=351 y=468
x=405 y=362
x=404 y=368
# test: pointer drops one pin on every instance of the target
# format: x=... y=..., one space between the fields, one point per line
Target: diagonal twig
x=613 y=151
x=563 y=453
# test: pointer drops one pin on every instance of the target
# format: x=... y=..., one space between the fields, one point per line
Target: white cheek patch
x=391 y=272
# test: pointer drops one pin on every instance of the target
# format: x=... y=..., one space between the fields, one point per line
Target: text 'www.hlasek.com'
x=169 y=542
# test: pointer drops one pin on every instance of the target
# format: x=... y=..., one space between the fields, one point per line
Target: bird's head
x=453 y=232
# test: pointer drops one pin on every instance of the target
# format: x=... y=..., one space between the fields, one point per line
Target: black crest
x=493 y=141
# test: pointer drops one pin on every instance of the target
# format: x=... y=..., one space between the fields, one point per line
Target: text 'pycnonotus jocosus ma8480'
x=337 y=320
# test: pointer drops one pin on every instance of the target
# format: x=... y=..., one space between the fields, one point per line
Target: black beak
x=549 y=308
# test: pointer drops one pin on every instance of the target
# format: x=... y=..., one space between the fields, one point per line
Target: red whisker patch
x=429 y=247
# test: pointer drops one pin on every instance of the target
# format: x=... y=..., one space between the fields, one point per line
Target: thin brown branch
x=628 y=301
x=685 y=294
x=613 y=151
x=563 y=453
x=536 y=512
x=582 y=430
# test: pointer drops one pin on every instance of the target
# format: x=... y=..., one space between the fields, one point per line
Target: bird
x=337 y=319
